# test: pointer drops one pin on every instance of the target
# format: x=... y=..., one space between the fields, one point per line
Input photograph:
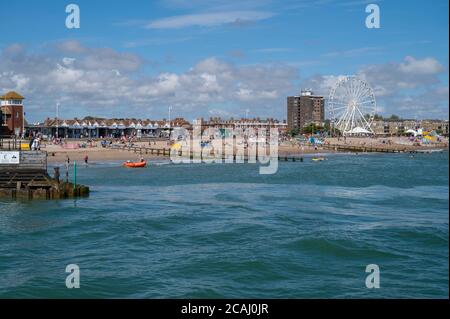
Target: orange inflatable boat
x=135 y=164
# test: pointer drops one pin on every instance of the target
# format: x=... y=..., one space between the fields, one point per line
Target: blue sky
x=220 y=58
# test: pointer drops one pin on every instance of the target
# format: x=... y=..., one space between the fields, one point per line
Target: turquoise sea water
x=223 y=230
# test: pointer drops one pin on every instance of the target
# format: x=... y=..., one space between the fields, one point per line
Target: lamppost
x=57 y=119
x=170 y=124
x=23 y=122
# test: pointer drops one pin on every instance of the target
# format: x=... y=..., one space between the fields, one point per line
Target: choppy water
x=216 y=230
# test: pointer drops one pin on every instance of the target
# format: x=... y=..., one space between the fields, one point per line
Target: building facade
x=91 y=127
x=441 y=127
x=400 y=127
x=305 y=109
x=244 y=123
x=12 y=115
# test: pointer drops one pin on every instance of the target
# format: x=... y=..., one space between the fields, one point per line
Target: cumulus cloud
x=412 y=86
x=105 y=81
x=390 y=78
x=432 y=103
x=425 y=66
x=71 y=46
x=112 y=83
x=98 y=58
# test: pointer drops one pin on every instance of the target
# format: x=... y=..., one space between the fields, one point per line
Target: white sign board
x=9 y=157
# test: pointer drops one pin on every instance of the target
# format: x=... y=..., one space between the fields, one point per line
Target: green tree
x=394 y=117
x=377 y=117
x=312 y=128
x=293 y=132
x=327 y=127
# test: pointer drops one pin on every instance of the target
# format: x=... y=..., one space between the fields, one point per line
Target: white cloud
x=209 y=19
x=104 y=81
x=353 y=52
x=68 y=61
x=412 y=86
x=219 y=113
x=71 y=46
x=417 y=67
x=390 y=78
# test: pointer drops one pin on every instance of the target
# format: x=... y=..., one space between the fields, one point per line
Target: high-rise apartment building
x=305 y=109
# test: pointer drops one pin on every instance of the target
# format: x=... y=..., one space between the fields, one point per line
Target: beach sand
x=393 y=143
x=57 y=154
x=96 y=153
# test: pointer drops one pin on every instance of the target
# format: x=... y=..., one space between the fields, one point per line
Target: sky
x=226 y=58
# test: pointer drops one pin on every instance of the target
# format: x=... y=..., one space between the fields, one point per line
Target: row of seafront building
x=307 y=108
x=400 y=127
x=91 y=127
x=12 y=122
x=302 y=110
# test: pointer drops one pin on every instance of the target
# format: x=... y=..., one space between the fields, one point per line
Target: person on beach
x=35 y=144
x=31 y=144
x=86 y=158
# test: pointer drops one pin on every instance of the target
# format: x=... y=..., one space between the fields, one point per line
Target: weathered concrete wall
x=29 y=180
x=61 y=191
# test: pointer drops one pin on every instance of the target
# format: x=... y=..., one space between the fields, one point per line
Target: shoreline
x=115 y=156
x=58 y=155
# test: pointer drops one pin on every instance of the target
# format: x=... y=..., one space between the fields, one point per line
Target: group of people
x=86 y=160
x=35 y=143
x=57 y=141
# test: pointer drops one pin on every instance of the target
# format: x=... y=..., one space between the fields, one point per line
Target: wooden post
x=74 y=175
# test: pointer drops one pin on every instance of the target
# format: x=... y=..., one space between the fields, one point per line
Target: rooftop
x=12 y=96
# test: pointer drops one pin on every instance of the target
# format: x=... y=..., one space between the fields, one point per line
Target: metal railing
x=12 y=143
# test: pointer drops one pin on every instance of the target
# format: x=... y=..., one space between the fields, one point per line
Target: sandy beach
x=95 y=152
x=393 y=143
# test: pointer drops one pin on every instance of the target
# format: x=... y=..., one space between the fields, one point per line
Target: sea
x=314 y=229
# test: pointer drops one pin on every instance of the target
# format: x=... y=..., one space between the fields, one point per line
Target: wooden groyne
x=332 y=147
x=360 y=148
x=23 y=175
x=142 y=149
x=186 y=155
x=372 y=149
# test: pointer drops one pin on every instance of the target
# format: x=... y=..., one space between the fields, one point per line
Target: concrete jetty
x=23 y=175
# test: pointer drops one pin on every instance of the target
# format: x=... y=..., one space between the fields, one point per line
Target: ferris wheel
x=352 y=106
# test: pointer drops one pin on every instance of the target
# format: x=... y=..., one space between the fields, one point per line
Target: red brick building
x=12 y=120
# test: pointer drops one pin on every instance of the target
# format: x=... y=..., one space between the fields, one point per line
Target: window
x=5 y=119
